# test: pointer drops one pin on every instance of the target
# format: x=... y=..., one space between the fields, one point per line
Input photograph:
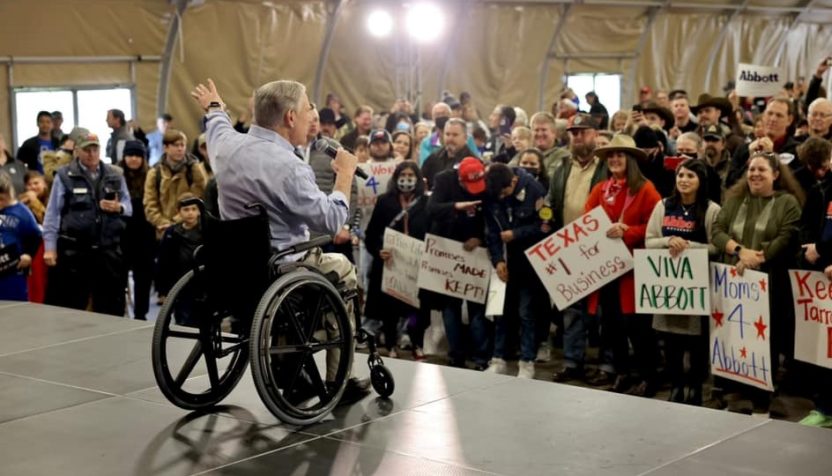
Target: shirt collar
x=271 y=136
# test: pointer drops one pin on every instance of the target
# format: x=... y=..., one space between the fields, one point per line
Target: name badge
x=80 y=190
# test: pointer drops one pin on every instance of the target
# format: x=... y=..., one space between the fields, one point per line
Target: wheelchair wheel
x=192 y=339
x=382 y=380
x=300 y=315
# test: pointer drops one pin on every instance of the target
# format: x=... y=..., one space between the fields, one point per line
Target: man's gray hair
x=693 y=137
x=457 y=122
x=273 y=100
x=817 y=102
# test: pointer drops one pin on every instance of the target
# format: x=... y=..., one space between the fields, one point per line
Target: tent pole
x=334 y=8
x=167 y=57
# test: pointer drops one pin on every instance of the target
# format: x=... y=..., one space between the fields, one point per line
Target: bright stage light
x=425 y=22
x=380 y=23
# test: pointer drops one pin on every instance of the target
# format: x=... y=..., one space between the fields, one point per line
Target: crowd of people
x=745 y=178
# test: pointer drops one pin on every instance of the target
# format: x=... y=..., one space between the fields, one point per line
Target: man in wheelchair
x=262 y=167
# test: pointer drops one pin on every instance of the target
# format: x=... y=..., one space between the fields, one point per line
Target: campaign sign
x=740 y=326
x=448 y=269
x=812 y=294
x=579 y=258
x=758 y=81
x=667 y=285
x=400 y=275
x=496 y=296
x=378 y=178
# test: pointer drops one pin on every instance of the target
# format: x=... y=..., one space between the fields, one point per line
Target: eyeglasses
x=820 y=115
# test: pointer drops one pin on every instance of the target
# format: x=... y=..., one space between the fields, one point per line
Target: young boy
x=20 y=238
x=176 y=250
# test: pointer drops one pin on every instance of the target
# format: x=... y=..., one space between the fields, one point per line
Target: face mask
x=406 y=184
x=532 y=170
x=440 y=122
x=403 y=126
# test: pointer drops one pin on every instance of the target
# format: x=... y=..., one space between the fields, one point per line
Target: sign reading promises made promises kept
x=667 y=285
x=448 y=269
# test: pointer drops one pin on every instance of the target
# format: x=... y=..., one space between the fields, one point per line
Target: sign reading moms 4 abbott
x=448 y=269
x=579 y=258
x=740 y=331
x=754 y=80
x=812 y=292
x=667 y=285
x=378 y=177
x=400 y=278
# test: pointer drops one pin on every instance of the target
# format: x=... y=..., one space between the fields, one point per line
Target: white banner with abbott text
x=448 y=269
x=400 y=275
x=812 y=294
x=579 y=258
x=740 y=326
x=668 y=285
x=758 y=81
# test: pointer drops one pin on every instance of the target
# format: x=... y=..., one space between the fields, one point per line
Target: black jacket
x=739 y=162
x=445 y=220
x=386 y=210
x=29 y=152
x=176 y=255
x=440 y=161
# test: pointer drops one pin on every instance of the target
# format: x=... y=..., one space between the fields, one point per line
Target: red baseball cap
x=472 y=175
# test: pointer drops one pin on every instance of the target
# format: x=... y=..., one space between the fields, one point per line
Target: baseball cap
x=77 y=132
x=327 y=116
x=472 y=175
x=713 y=132
x=86 y=140
x=380 y=134
x=582 y=121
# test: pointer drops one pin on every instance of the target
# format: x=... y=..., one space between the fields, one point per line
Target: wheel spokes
x=189 y=365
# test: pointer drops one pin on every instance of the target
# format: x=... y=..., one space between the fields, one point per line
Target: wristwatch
x=737 y=250
x=214 y=105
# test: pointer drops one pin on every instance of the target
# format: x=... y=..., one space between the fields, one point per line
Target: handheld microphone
x=321 y=145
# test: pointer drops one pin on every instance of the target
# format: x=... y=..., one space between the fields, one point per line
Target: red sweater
x=635 y=216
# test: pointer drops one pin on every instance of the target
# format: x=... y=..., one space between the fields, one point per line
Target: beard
x=582 y=150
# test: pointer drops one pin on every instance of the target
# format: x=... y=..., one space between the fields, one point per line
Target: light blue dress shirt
x=261 y=167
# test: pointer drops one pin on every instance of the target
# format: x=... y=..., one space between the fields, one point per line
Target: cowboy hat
x=621 y=143
x=663 y=112
x=706 y=100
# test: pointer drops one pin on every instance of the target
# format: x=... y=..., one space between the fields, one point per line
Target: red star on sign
x=761 y=328
x=744 y=353
x=763 y=284
x=733 y=272
x=717 y=318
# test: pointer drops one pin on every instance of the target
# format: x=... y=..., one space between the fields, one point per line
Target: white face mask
x=406 y=184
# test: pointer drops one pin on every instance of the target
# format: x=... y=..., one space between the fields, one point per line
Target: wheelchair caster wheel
x=382 y=381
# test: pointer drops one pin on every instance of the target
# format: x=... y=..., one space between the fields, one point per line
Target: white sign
x=496 y=296
x=667 y=285
x=378 y=179
x=579 y=258
x=758 y=81
x=812 y=293
x=400 y=275
x=448 y=269
x=740 y=326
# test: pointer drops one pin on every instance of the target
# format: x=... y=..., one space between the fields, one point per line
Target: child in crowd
x=20 y=238
x=176 y=250
x=36 y=197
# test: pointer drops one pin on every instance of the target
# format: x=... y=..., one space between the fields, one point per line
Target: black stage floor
x=77 y=396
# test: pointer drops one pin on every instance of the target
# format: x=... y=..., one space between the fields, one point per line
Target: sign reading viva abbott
x=668 y=285
x=448 y=269
x=579 y=258
x=812 y=292
x=740 y=326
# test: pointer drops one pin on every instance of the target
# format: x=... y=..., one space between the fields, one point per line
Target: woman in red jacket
x=628 y=199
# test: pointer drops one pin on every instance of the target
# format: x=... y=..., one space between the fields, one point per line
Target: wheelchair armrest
x=301 y=247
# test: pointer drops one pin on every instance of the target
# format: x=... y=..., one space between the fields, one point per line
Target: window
x=606 y=86
x=86 y=107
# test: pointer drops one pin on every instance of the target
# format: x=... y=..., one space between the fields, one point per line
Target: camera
x=637 y=108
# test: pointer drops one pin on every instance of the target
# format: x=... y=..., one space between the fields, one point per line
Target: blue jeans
x=575 y=329
x=528 y=305
x=480 y=329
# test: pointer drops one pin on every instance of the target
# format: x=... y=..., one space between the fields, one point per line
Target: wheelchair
x=240 y=303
